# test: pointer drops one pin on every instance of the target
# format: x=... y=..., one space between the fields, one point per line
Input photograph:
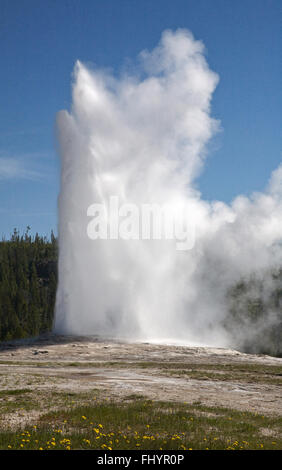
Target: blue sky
x=40 y=40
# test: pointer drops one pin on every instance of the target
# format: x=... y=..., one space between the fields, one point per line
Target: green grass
x=16 y=400
x=143 y=424
x=15 y=392
x=245 y=368
x=90 y=420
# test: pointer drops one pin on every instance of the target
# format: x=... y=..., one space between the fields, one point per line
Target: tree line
x=254 y=313
x=28 y=282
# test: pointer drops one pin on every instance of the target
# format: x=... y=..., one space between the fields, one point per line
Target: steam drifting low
x=142 y=138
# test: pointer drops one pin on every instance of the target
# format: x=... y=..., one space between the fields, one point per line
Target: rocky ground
x=211 y=376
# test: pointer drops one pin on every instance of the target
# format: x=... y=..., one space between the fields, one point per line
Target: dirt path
x=214 y=377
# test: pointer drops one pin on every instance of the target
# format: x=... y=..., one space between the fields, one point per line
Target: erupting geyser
x=138 y=140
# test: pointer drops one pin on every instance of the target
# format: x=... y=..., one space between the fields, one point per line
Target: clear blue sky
x=40 y=40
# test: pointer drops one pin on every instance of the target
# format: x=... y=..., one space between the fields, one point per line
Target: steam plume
x=143 y=138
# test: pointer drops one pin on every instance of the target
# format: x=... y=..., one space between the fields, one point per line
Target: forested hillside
x=254 y=313
x=28 y=280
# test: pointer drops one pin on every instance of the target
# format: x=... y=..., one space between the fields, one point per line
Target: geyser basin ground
x=55 y=390
x=213 y=376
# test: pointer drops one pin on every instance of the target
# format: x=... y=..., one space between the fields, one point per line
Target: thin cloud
x=31 y=167
x=14 y=168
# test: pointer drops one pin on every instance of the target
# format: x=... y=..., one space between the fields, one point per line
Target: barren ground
x=213 y=377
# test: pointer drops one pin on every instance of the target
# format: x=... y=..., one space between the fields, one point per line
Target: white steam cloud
x=144 y=139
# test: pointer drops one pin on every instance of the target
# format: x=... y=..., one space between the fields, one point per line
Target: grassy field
x=60 y=393
x=89 y=421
